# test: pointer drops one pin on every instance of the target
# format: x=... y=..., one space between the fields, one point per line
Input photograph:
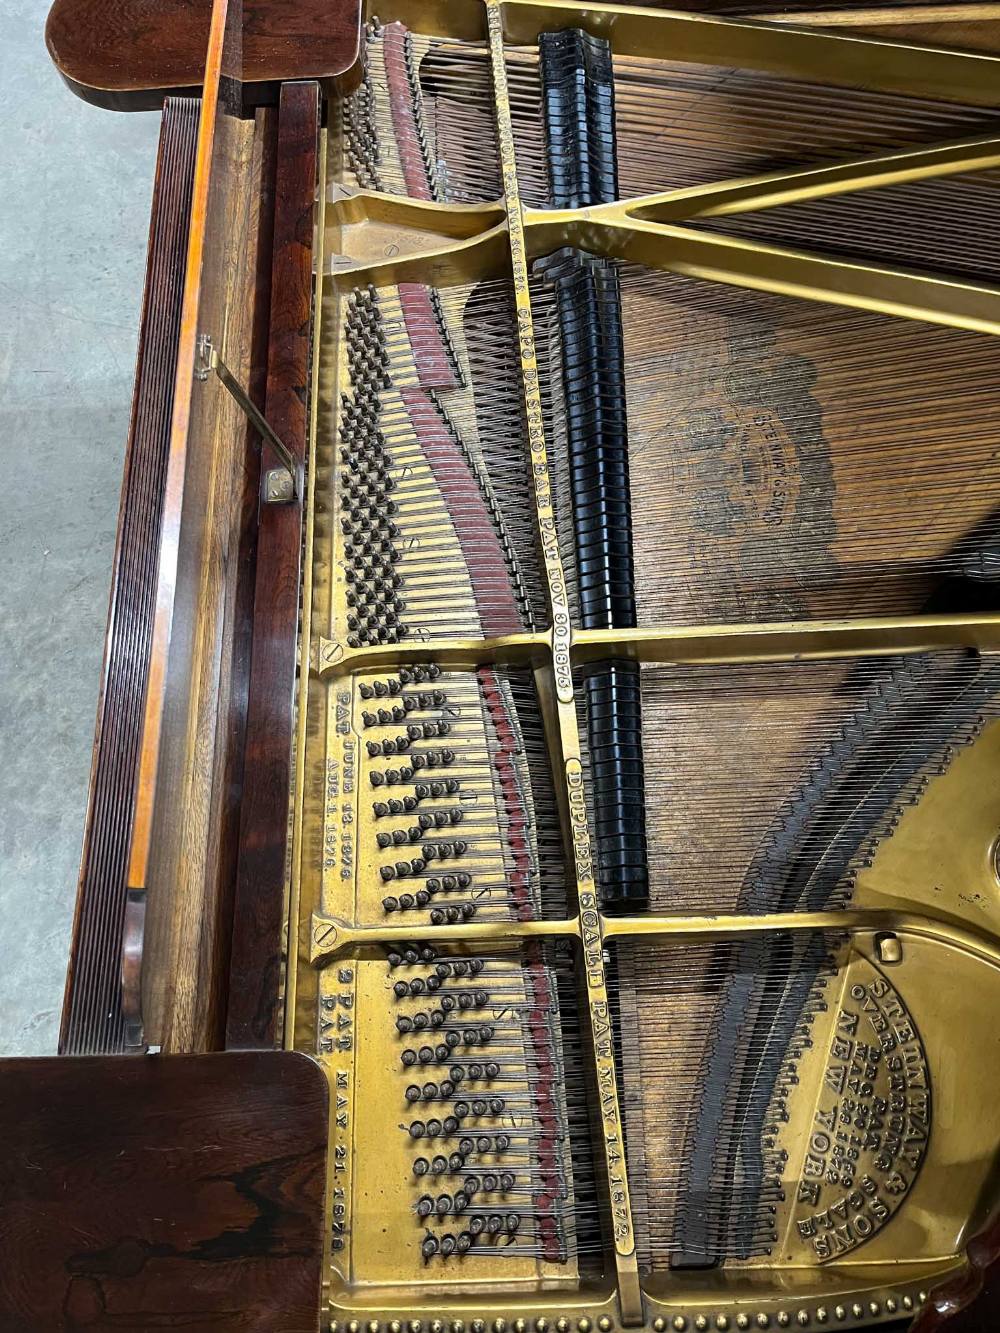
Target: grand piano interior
x=541 y=870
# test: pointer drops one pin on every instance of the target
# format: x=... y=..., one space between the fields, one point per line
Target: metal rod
x=209 y=360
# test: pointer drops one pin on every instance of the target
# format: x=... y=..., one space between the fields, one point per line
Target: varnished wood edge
x=257 y=919
x=970 y=1300
x=134 y=77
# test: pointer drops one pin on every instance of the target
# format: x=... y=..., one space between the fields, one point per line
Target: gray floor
x=74 y=203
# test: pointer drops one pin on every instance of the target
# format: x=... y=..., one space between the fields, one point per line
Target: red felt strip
x=539 y=983
x=477 y=537
x=404 y=121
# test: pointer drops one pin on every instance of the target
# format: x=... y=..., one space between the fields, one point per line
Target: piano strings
x=434 y=494
x=678 y=125
x=422 y=121
x=496 y=1112
x=717 y=455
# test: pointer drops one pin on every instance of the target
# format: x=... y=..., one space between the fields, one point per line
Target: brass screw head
x=604 y=1324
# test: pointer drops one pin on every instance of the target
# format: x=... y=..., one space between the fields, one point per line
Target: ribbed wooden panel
x=92 y=1018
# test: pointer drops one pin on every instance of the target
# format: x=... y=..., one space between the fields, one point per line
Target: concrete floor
x=74 y=208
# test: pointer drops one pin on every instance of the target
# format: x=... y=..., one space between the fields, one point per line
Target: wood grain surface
x=187 y=866
x=168 y=1192
x=256 y=949
x=92 y=1015
x=126 y=54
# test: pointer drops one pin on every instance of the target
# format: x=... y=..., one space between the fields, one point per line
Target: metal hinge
x=281 y=484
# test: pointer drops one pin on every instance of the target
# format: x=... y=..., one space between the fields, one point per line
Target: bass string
x=779 y=463
x=755 y=8
x=709 y=831
x=673 y=1006
x=776 y=441
x=679 y=125
x=948 y=225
